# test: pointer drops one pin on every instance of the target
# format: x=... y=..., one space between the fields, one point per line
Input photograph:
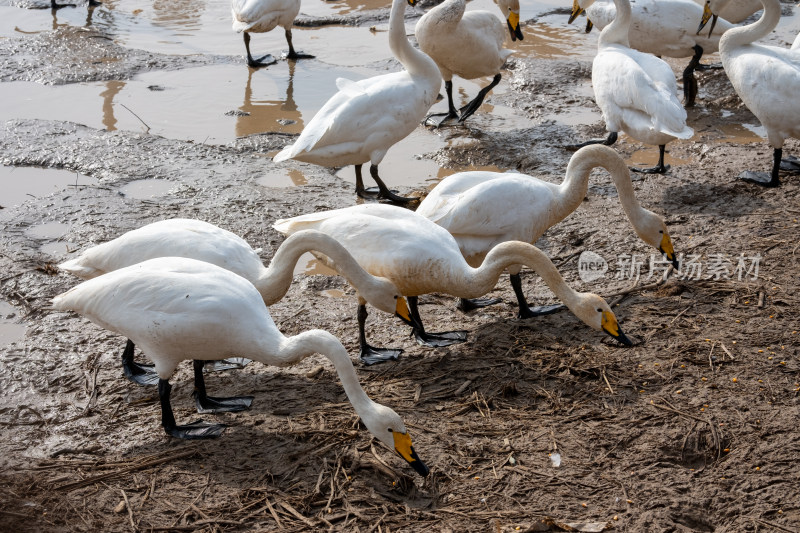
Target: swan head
x=388 y=427
x=384 y=295
x=652 y=229
x=708 y=13
x=578 y=7
x=510 y=10
x=596 y=313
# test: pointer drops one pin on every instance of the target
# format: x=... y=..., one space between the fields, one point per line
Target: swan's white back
x=263 y=15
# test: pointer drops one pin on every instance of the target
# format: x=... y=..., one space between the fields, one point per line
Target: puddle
x=742 y=133
x=310 y=266
x=18 y=184
x=55 y=249
x=48 y=230
x=289 y=178
x=333 y=293
x=648 y=157
x=9 y=331
x=146 y=189
x=544 y=41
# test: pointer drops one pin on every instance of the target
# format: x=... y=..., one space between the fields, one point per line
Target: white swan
x=482 y=209
x=735 y=11
x=663 y=28
x=178 y=308
x=635 y=91
x=365 y=118
x=467 y=44
x=420 y=257
x=261 y=16
x=767 y=79
x=200 y=240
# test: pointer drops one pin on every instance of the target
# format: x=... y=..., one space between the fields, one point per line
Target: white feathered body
x=767 y=79
x=178 y=308
x=174 y=237
x=637 y=94
x=259 y=16
x=662 y=27
x=482 y=209
x=364 y=119
x=414 y=253
x=468 y=44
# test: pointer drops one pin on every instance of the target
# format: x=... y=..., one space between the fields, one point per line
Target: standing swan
x=767 y=79
x=663 y=28
x=179 y=308
x=365 y=118
x=635 y=91
x=261 y=16
x=420 y=257
x=203 y=241
x=482 y=209
x=468 y=44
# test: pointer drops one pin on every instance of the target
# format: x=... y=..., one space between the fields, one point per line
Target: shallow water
x=9 y=331
x=18 y=184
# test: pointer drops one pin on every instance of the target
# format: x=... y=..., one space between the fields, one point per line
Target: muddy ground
x=693 y=429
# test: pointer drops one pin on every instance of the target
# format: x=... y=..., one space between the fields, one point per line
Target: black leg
x=361 y=191
x=476 y=102
x=142 y=374
x=262 y=61
x=369 y=354
x=660 y=168
x=208 y=404
x=292 y=54
x=451 y=114
x=195 y=430
x=466 y=305
x=689 y=81
x=762 y=178
x=384 y=192
x=54 y=5
x=525 y=311
x=608 y=141
x=434 y=340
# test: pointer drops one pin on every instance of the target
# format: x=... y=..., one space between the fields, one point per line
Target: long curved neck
x=296 y=348
x=576 y=181
x=742 y=35
x=276 y=279
x=414 y=61
x=478 y=281
x=617 y=31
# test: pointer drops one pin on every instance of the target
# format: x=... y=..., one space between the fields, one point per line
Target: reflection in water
x=178 y=14
x=261 y=115
x=112 y=89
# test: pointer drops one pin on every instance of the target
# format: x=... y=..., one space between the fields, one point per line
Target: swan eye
x=661 y=231
x=599 y=310
x=390 y=430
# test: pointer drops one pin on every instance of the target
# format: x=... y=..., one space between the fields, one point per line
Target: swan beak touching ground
x=513 y=25
x=611 y=326
x=707 y=14
x=403 y=447
x=666 y=248
x=576 y=11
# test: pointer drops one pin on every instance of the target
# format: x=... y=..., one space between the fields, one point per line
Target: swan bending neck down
x=636 y=92
x=420 y=257
x=481 y=209
x=365 y=118
x=767 y=79
x=178 y=308
x=200 y=240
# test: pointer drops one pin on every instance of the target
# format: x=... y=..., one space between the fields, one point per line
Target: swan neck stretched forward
x=415 y=62
x=275 y=281
x=743 y=35
x=576 y=182
x=294 y=349
x=481 y=280
x=617 y=31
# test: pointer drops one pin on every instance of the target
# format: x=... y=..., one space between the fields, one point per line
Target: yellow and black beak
x=402 y=445
x=412 y=3
x=667 y=249
x=610 y=326
x=707 y=14
x=576 y=10
x=401 y=310
x=589 y=25
x=513 y=26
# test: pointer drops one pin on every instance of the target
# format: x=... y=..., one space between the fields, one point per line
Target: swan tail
x=77 y=268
